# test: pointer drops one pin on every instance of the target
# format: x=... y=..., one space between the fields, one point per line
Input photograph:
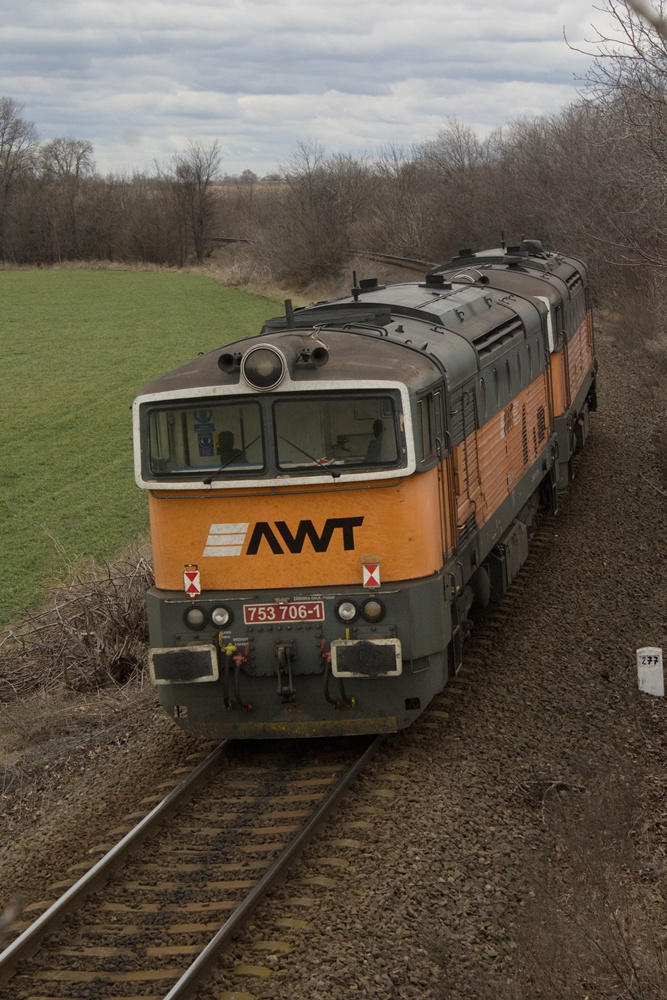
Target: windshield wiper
x=209 y=479
x=323 y=463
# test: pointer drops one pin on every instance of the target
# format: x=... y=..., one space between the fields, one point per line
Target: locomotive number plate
x=267 y=614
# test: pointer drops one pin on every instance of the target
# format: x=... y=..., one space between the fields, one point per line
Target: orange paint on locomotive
x=490 y=462
x=401 y=524
x=580 y=355
x=559 y=383
x=570 y=366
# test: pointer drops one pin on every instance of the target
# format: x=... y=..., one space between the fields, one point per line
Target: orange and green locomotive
x=331 y=498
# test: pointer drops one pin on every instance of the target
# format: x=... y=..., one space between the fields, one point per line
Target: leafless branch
x=649 y=14
x=93 y=634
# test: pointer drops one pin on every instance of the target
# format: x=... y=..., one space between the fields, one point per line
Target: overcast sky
x=139 y=78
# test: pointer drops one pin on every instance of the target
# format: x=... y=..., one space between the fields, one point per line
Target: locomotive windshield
x=209 y=436
x=343 y=431
x=276 y=435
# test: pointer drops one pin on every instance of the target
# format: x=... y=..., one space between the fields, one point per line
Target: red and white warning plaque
x=370 y=568
x=191 y=580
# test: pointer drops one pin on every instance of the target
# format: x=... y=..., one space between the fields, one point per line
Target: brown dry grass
x=237 y=265
x=41 y=735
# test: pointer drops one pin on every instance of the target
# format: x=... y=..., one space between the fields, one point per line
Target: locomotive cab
x=274 y=505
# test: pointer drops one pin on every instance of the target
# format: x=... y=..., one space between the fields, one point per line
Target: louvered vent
x=502 y=335
x=462 y=416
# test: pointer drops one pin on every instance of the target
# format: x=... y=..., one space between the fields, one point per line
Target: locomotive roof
x=408 y=332
x=526 y=269
x=350 y=357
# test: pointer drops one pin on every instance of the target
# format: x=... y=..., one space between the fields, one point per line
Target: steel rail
x=203 y=964
x=409 y=263
x=28 y=942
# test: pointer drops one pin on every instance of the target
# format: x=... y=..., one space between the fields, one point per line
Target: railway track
x=407 y=263
x=195 y=867
x=151 y=917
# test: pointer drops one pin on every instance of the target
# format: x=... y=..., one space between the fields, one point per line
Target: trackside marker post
x=650 y=672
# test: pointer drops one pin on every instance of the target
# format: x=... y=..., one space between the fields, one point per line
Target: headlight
x=346 y=611
x=263 y=367
x=221 y=617
x=373 y=610
x=195 y=618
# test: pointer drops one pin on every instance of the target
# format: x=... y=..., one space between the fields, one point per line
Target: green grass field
x=75 y=348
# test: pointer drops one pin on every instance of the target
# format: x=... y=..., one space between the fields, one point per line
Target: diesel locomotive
x=331 y=498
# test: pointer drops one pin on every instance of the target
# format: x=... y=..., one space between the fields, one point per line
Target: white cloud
x=138 y=80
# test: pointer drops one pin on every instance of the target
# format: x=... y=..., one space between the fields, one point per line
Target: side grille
x=541 y=424
x=524 y=436
x=502 y=335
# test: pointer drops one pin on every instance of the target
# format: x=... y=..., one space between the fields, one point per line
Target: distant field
x=75 y=348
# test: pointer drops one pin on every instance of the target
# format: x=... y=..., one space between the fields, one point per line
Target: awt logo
x=229 y=539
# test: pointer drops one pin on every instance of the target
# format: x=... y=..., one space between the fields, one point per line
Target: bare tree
x=18 y=143
x=18 y=147
x=651 y=15
x=455 y=151
x=628 y=84
x=193 y=174
x=69 y=159
x=65 y=163
x=308 y=235
x=628 y=78
x=247 y=177
x=396 y=216
x=151 y=222
x=455 y=169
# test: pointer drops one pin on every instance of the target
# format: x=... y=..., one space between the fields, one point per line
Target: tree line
x=590 y=180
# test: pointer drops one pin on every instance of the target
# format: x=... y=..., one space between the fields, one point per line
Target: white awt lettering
x=226 y=539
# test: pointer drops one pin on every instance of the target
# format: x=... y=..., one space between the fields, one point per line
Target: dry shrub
x=239 y=265
x=637 y=297
x=595 y=928
x=92 y=632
